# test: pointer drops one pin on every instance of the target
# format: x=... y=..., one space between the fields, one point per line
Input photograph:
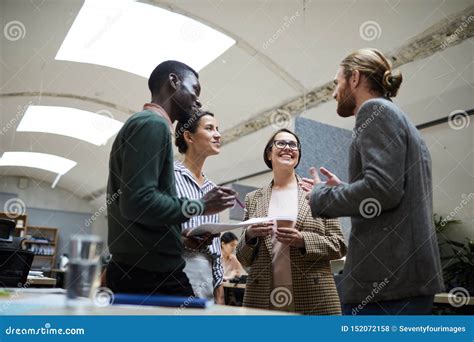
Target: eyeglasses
x=281 y=144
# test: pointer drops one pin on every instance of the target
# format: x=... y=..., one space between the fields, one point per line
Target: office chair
x=15 y=262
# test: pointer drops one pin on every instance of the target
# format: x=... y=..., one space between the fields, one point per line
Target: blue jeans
x=420 y=305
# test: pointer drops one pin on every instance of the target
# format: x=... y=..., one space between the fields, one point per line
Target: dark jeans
x=420 y=305
x=123 y=278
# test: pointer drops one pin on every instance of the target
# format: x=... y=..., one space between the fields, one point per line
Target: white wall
x=453 y=171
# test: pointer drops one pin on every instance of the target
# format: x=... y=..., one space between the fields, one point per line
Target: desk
x=41 y=281
x=229 y=285
x=233 y=293
x=60 y=276
x=134 y=310
x=443 y=298
x=52 y=302
x=443 y=306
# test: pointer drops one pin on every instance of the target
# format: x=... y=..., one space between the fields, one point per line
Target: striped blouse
x=187 y=187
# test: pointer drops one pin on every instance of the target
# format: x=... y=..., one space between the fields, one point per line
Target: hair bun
x=391 y=83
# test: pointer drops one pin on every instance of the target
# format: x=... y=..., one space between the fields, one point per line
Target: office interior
x=72 y=72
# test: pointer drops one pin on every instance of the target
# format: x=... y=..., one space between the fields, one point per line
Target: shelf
x=18 y=231
x=40 y=242
x=42 y=228
x=50 y=235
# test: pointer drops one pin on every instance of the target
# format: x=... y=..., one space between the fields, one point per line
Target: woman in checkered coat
x=289 y=259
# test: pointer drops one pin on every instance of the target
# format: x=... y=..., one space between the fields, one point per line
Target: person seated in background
x=198 y=139
x=232 y=267
x=289 y=261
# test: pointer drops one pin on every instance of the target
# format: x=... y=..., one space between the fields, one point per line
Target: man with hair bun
x=392 y=265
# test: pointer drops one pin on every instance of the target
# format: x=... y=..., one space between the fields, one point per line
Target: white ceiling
x=256 y=74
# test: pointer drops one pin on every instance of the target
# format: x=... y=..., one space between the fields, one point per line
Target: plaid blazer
x=314 y=290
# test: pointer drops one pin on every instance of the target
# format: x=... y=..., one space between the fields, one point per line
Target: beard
x=347 y=104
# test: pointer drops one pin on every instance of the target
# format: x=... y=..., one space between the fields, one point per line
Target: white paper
x=217 y=228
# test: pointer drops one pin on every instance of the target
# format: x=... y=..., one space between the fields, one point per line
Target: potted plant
x=457 y=258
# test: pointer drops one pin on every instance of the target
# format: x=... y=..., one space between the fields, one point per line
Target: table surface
x=57 y=270
x=443 y=298
x=33 y=280
x=132 y=310
x=233 y=285
x=53 y=302
x=30 y=301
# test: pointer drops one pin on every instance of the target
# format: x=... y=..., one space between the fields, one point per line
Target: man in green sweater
x=144 y=219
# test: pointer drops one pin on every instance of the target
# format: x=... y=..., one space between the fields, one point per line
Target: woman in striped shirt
x=196 y=140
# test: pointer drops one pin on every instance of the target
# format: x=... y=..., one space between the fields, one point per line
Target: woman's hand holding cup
x=287 y=234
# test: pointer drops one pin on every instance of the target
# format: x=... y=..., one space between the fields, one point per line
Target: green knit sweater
x=144 y=214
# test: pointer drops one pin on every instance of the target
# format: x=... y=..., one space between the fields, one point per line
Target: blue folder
x=162 y=300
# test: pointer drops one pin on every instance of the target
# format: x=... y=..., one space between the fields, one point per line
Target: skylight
x=72 y=122
x=48 y=162
x=136 y=37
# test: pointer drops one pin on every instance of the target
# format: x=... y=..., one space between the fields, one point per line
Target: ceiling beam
x=40 y=94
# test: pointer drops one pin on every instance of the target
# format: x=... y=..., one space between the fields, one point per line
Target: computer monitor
x=6 y=230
